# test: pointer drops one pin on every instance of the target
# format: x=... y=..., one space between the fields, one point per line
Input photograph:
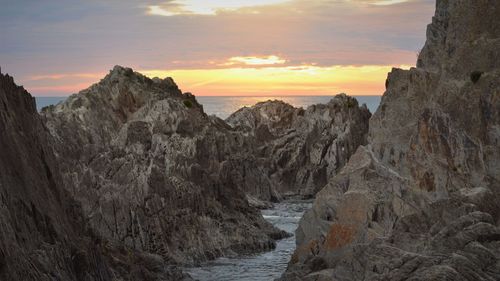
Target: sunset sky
x=239 y=47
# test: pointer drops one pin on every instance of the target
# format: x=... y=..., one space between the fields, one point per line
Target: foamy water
x=260 y=267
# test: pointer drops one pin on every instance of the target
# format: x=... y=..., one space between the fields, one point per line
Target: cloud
x=254 y=61
x=204 y=7
x=388 y=2
x=383 y=2
x=65 y=37
x=65 y=76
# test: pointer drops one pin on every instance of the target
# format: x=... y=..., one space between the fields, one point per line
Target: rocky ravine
x=43 y=233
x=420 y=201
x=153 y=171
x=299 y=150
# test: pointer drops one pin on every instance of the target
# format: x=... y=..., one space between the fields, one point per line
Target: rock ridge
x=44 y=233
x=154 y=172
x=299 y=149
x=420 y=200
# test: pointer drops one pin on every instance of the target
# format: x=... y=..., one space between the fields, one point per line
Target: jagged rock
x=154 y=172
x=420 y=201
x=462 y=38
x=44 y=235
x=299 y=150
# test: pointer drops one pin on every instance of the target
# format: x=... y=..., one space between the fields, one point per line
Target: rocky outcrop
x=420 y=201
x=43 y=234
x=153 y=171
x=299 y=150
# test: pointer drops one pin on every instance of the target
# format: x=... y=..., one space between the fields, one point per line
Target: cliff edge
x=420 y=201
x=153 y=171
x=44 y=234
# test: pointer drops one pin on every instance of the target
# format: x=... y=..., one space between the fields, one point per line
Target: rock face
x=420 y=201
x=44 y=235
x=299 y=150
x=153 y=171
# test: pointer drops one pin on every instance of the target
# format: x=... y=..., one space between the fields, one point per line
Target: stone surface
x=299 y=150
x=420 y=201
x=44 y=234
x=154 y=172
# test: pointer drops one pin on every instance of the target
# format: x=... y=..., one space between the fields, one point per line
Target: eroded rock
x=420 y=201
x=154 y=172
x=44 y=234
x=300 y=150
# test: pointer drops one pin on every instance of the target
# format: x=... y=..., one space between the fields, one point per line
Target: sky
x=212 y=48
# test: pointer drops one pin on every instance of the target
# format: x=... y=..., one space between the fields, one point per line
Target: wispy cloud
x=386 y=2
x=65 y=76
x=54 y=44
x=204 y=7
x=254 y=61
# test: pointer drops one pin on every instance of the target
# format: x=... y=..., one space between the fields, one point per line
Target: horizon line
x=242 y=96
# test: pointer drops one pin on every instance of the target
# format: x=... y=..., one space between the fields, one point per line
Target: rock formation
x=420 y=201
x=153 y=171
x=43 y=233
x=299 y=150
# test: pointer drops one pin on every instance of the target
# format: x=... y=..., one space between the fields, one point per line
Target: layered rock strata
x=299 y=150
x=420 y=201
x=44 y=234
x=154 y=172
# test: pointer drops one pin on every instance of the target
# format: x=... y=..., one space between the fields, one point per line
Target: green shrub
x=351 y=103
x=188 y=103
x=475 y=76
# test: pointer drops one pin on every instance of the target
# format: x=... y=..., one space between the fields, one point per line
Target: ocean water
x=259 y=267
x=225 y=106
x=42 y=102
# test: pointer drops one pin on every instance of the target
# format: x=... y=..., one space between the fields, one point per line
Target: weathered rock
x=420 y=201
x=154 y=172
x=43 y=234
x=299 y=150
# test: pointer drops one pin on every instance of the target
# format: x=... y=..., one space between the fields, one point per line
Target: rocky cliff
x=420 y=201
x=154 y=172
x=44 y=234
x=299 y=150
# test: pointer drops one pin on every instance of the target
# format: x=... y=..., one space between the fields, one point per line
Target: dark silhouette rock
x=44 y=234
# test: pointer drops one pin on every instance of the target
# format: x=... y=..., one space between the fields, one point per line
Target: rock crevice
x=44 y=233
x=418 y=202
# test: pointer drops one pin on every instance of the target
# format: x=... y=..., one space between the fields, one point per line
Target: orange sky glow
x=214 y=48
x=244 y=81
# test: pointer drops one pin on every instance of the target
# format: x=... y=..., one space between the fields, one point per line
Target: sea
x=222 y=107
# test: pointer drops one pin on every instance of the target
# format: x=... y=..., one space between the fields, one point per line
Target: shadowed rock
x=420 y=201
x=300 y=150
x=44 y=234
